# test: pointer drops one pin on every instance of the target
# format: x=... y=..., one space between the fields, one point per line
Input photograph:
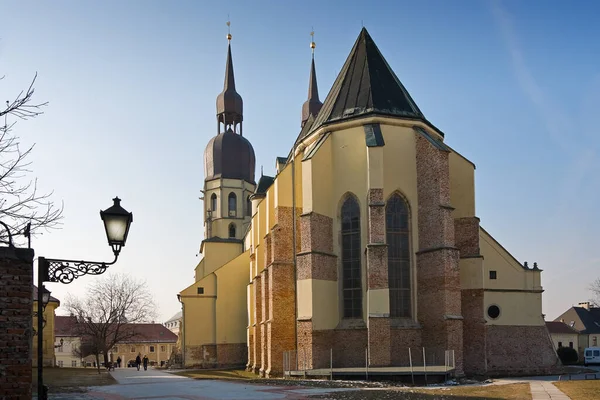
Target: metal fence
x=413 y=361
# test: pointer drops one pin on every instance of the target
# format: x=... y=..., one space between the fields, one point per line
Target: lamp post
x=116 y=224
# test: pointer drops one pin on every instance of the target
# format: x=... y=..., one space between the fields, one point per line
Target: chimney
x=585 y=304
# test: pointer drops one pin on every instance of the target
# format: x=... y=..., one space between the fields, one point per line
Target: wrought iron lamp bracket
x=65 y=271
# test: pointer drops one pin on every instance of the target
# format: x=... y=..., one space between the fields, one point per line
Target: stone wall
x=16 y=308
x=519 y=350
x=231 y=354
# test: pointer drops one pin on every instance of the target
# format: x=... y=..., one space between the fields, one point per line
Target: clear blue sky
x=132 y=85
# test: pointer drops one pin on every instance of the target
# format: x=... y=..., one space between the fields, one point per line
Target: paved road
x=155 y=384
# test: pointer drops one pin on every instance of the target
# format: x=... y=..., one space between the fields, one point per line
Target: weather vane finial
x=312 y=41
x=228 y=29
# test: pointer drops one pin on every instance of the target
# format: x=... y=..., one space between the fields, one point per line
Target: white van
x=591 y=356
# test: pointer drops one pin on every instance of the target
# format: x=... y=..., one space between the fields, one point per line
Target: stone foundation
x=519 y=350
x=232 y=354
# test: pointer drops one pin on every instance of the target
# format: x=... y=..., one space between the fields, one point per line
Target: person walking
x=138 y=361
x=145 y=362
x=119 y=362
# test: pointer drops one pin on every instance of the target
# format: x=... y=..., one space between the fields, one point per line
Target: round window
x=493 y=312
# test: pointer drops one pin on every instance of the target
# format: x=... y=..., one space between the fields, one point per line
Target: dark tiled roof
x=585 y=321
x=264 y=183
x=35 y=295
x=229 y=155
x=65 y=326
x=560 y=327
x=366 y=85
x=151 y=333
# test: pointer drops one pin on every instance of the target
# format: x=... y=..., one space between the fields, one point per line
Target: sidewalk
x=544 y=390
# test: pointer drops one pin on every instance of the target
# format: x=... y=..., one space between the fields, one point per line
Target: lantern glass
x=117 y=221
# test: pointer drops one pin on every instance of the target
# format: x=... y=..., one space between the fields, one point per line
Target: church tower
x=312 y=105
x=229 y=164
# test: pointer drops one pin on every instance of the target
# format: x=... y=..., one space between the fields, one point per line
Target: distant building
x=48 y=343
x=563 y=335
x=585 y=319
x=67 y=352
x=153 y=340
x=174 y=323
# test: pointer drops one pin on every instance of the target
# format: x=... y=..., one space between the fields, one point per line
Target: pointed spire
x=229 y=102
x=366 y=85
x=312 y=105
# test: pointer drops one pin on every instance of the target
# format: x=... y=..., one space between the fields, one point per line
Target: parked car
x=591 y=356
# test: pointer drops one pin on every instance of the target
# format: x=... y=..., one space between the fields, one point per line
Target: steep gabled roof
x=585 y=321
x=366 y=85
x=560 y=327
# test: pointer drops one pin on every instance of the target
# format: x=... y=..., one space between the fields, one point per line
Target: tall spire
x=229 y=102
x=312 y=105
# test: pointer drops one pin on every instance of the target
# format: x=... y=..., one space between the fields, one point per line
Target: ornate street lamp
x=116 y=224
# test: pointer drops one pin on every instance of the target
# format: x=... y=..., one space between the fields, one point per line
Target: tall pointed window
x=232 y=204
x=248 y=207
x=351 y=255
x=232 y=231
x=397 y=233
x=213 y=204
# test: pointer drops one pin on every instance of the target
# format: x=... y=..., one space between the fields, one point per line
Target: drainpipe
x=294 y=247
x=182 y=329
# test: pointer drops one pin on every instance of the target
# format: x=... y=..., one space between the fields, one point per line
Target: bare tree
x=22 y=208
x=108 y=315
x=595 y=289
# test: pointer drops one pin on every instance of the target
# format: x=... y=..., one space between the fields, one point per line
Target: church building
x=365 y=241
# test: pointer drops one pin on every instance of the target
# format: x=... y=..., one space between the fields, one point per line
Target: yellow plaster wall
x=199 y=312
x=462 y=186
x=316 y=187
x=510 y=274
x=231 y=307
x=48 y=333
x=221 y=218
x=340 y=166
x=215 y=255
x=516 y=308
x=565 y=338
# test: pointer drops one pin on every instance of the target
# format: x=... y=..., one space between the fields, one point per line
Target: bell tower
x=229 y=164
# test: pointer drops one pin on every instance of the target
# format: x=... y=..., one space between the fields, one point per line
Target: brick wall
x=519 y=350
x=16 y=307
x=438 y=278
x=231 y=354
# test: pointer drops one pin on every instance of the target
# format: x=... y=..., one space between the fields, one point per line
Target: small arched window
x=231 y=231
x=232 y=204
x=398 y=241
x=248 y=207
x=351 y=259
x=213 y=204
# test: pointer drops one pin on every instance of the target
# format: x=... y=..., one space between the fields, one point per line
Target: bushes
x=567 y=355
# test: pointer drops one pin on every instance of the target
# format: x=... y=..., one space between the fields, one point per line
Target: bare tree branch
x=595 y=289
x=22 y=207
x=109 y=313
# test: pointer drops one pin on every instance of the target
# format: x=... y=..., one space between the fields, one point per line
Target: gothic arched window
x=351 y=257
x=248 y=207
x=232 y=204
x=232 y=230
x=213 y=204
x=398 y=234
